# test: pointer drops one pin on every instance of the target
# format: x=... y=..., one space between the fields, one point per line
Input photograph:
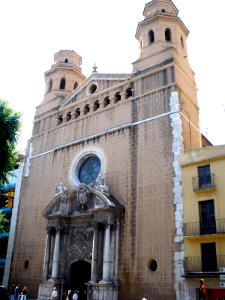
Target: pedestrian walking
x=24 y=293
x=54 y=294
x=202 y=289
x=17 y=292
x=12 y=292
x=69 y=295
x=75 y=295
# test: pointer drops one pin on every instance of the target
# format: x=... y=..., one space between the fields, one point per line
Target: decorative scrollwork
x=80 y=245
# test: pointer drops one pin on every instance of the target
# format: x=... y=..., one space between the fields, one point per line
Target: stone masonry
x=136 y=125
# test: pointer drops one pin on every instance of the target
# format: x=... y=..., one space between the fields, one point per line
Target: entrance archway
x=80 y=273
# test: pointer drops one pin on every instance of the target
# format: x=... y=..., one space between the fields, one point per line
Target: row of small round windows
x=96 y=106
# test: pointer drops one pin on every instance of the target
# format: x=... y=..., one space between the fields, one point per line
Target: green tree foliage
x=3 y=222
x=10 y=124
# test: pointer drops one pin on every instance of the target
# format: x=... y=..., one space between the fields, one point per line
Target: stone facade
x=129 y=129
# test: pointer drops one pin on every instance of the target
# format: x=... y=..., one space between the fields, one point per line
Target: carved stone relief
x=83 y=197
x=80 y=244
x=87 y=199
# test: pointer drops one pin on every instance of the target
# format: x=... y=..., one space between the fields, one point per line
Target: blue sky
x=103 y=32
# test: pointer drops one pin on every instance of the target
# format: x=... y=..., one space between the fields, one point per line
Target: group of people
x=69 y=296
x=19 y=293
x=72 y=296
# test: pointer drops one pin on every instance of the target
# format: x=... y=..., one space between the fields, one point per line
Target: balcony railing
x=204 y=182
x=194 y=264
x=197 y=229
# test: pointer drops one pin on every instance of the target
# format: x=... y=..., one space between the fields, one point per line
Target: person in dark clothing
x=24 y=293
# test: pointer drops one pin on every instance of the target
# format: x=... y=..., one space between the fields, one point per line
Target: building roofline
x=205 y=154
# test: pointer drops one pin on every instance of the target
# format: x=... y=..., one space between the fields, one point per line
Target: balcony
x=194 y=264
x=197 y=229
x=202 y=183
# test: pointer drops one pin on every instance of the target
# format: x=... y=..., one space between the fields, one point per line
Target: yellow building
x=203 y=173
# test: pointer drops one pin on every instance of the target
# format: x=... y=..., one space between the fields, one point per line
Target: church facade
x=101 y=206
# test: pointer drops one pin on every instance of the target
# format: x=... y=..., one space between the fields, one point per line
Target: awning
x=7 y=187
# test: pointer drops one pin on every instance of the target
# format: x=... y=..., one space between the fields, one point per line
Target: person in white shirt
x=54 y=294
x=75 y=295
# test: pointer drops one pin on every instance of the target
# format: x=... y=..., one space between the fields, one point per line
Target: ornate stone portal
x=83 y=229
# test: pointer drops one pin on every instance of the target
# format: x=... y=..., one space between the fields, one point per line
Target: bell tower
x=60 y=81
x=161 y=35
x=162 y=38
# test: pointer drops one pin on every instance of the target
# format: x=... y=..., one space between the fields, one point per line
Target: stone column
x=51 y=250
x=107 y=254
x=94 y=262
x=55 y=263
x=116 y=262
x=112 y=253
x=47 y=253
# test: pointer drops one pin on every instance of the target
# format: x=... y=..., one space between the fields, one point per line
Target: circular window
x=89 y=170
x=92 y=88
x=86 y=166
x=152 y=266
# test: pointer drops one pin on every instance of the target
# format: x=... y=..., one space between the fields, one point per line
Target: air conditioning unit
x=222 y=269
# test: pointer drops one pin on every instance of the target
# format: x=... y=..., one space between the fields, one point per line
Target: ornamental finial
x=94 y=68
